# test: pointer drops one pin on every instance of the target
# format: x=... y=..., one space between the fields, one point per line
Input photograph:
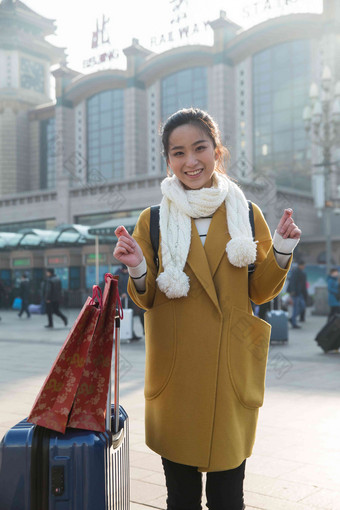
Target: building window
x=281 y=78
x=105 y=136
x=184 y=89
x=48 y=224
x=47 y=154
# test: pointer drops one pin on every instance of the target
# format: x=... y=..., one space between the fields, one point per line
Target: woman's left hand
x=286 y=227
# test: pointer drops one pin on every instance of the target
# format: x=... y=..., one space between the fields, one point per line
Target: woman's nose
x=191 y=160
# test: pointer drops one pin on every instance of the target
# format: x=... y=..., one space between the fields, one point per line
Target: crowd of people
x=50 y=298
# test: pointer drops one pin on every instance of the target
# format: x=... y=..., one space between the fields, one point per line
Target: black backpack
x=154 y=232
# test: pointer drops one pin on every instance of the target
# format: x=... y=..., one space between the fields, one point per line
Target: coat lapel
x=217 y=239
x=198 y=262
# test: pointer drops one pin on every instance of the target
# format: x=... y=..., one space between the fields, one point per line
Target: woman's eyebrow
x=176 y=147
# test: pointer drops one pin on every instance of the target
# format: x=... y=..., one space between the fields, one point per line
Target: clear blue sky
x=148 y=20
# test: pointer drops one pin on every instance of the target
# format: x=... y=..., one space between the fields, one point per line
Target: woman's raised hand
x=286 y=227
x=127 y=250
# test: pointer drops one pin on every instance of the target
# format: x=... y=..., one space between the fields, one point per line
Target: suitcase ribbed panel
x=119 y=471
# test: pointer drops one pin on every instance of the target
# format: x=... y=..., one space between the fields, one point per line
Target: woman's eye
x=178 y=153
x=201 y=147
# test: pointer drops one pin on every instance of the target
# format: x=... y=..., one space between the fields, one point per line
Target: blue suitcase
x=80 y=470
x=278 y=319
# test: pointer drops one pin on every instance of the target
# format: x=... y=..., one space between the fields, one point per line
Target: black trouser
x=224 y=489
x=139 y=312
x=24 y=308
x=52 y=307
x=333 y=311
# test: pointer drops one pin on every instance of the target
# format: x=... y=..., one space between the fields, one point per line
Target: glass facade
x=105 y=136
x=47 y=154
x=281 y=79
x=184 y=89
x=95 y=219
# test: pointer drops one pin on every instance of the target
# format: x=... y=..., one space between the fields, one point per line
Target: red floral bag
x=55 y=399
x=90 y=403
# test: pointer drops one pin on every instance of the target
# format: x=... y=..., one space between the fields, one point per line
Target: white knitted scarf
x=177 y=208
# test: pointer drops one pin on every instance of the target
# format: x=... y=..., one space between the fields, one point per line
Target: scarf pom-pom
x=241 y=251
x=173 y=282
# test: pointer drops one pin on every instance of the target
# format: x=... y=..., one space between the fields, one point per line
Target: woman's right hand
x=127 y=250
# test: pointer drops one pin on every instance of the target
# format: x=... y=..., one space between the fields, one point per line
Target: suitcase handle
x=117 y=359
x=116 y=382
x=117 y=439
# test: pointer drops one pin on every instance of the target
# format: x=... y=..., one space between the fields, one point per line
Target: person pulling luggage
x=333 y=292
x=52 y=290
x=298 y=290
x=205 y=351
x=25 y=295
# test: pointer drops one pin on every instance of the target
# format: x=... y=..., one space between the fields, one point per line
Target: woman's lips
x=194 y=173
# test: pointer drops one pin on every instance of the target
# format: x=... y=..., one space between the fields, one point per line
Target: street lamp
x=322 y=120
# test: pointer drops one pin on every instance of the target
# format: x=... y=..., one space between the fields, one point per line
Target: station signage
x=181 y=27
x=60 y=260
x=259 y=10
x=21 y=262
x=91 y=258
x=183 y=33
x=102 y=51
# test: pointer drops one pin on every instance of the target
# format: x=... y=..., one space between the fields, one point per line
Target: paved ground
x=296 y=460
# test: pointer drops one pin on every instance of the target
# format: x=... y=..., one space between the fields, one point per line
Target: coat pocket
x=248 y=343
x=160 y=348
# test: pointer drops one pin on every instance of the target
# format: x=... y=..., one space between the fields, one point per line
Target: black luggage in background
x=328 y=337
x=278 y=319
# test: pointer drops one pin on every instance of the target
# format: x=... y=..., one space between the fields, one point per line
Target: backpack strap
x=154 y=232
x=251 y=267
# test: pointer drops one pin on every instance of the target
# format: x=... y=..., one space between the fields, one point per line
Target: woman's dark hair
x=202 y=120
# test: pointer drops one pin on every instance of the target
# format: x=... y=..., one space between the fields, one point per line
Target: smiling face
x=192 y=156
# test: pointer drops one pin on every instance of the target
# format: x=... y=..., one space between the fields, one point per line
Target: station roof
x=38 y=238
x=64 y=235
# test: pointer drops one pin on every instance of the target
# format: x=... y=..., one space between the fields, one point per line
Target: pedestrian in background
x=203 y=383
x=123 y=274
x=305 y=298
x=52 y=291
x=333 y=292
x=297 y=289
x=42 y=296
x=2 y=294
x=24 y=293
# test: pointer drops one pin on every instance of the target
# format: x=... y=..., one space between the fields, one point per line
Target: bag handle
x=97 y=293
x=109 y=276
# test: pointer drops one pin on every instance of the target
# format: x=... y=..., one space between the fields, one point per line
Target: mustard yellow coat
x=206 y=353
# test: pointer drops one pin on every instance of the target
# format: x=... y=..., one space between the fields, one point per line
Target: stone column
x=135 y=139
x=8 y=147
x=66 y=160
x=221 y=101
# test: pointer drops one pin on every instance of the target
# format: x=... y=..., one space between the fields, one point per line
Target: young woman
x=205 y=351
